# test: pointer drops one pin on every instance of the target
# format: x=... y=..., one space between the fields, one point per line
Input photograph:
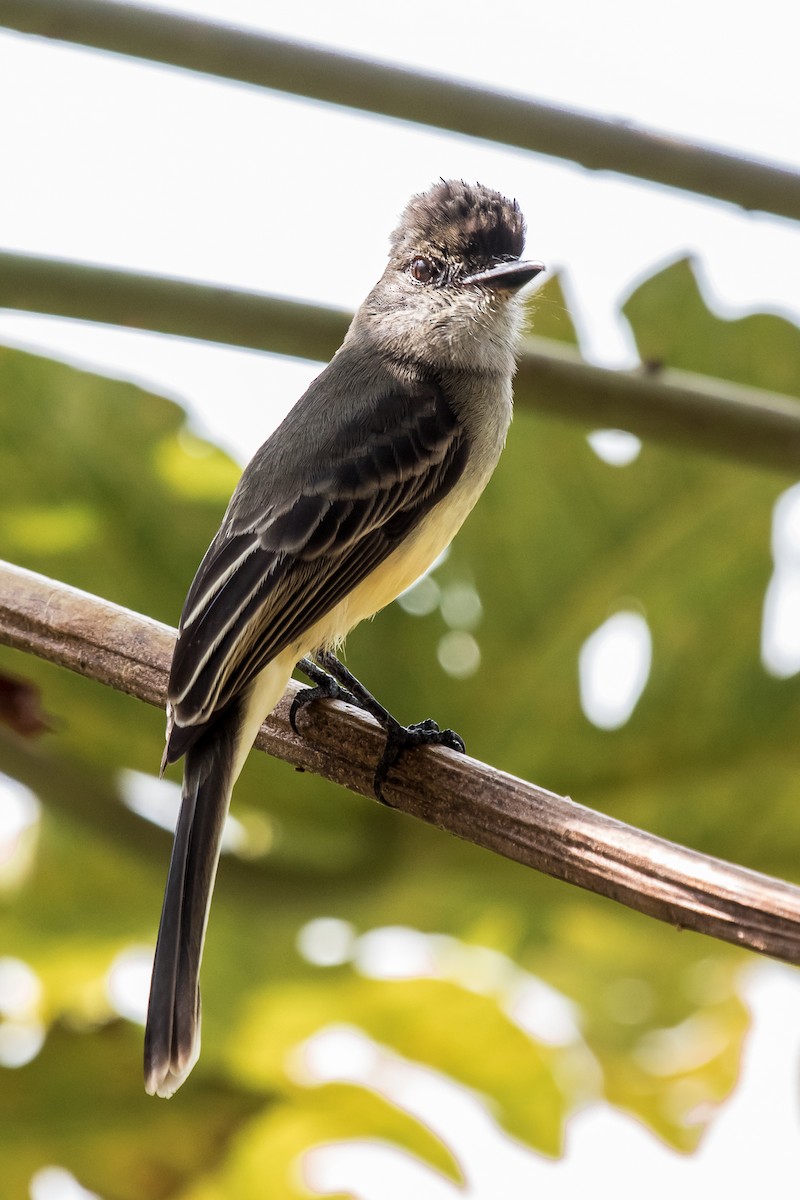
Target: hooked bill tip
x=507 y=276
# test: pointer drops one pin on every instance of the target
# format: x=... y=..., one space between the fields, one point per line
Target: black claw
x=334 y=682
x=326 y=688
x=438 y=737
x=453 y=741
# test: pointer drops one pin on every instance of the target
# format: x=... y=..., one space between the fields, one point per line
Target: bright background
x=117 y=162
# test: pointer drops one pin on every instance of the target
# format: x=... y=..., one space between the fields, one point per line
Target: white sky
x=117 y=162
x=114 y=161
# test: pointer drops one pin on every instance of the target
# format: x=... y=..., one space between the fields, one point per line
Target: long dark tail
x=172 y=1035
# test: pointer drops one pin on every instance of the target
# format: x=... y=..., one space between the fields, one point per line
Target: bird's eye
x=421 y=269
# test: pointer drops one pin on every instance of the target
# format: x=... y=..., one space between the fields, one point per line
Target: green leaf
x=673 y=327
x=429 y=1021
x=100 y=486
x=80 y=1105
x=547 y=313
x=267 y=1159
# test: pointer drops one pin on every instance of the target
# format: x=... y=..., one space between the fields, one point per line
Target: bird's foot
x=325 y=688
x=334 y=681
x=400 y=738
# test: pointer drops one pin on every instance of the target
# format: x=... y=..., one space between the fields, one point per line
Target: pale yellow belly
x=410 y=560
x=405 y=565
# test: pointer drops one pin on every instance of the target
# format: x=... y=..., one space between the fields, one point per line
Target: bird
x=353 y=497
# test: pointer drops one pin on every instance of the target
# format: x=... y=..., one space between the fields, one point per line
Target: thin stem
x=378 y=87
x=675 y=407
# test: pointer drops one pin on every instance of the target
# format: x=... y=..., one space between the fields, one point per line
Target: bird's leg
x=334 y=681
x=325 y=687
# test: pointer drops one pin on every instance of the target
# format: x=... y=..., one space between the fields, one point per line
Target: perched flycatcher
x=350 y=500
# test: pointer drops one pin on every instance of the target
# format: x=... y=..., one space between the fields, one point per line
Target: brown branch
x=676 y=407
x=378 y=87
x=551 y=833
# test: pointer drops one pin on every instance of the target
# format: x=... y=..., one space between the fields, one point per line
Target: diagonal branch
x=335 y=78
x=551 y=833
x=676 y=407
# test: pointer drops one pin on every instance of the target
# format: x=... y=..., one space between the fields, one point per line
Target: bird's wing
x=270 y=575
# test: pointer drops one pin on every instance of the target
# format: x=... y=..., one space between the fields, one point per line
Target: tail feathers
x=172 y=1034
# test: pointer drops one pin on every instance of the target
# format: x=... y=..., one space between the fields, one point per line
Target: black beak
x=507 y=276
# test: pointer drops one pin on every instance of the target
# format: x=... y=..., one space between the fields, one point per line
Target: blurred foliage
x=101 y=485
x=78 y=1103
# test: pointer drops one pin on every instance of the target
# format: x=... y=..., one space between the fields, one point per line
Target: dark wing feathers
x=266 y=580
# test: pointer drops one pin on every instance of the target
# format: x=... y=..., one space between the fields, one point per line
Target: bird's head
x=448 y=295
